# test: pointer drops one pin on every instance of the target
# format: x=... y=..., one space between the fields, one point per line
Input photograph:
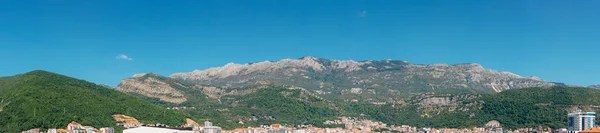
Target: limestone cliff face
x=173 y=91
x=148 y=85
x=429 y=100
x=218 y=92
x=318 y=73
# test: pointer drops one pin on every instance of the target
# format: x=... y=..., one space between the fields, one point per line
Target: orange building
x=62 y=130
x=275 y=125
x=592 y=130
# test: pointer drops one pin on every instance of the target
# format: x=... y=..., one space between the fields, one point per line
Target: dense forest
x=41 y=99
x=532 y=107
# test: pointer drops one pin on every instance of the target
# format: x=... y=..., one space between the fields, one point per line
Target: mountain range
x=306 y=91
x=380 y=75
x=254 y=105
x=393 y=91
x=233 y=107
x=382 y=81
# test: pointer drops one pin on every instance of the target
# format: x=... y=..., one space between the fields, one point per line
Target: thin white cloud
x=362 y=13
x=124 y=57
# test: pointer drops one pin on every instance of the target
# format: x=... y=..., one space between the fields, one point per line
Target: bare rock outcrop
x=151 y=87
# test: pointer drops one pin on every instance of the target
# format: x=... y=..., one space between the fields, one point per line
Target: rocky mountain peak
x=469 y=65
x=152 y=85
x=138 y=75
x=231 y=69
x=308 y=57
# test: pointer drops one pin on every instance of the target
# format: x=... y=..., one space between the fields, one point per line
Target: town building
x=591 y=130
x=579 y=121
x=209 y=128
x=276 y=126
x=52 y=130
x=74 y=126
x=144 y=129
x=107 y=130
x=299 y=131
x=280 y=130
x=89 y=129
x=561 y=130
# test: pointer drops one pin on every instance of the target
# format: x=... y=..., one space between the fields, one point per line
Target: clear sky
x=557 y=40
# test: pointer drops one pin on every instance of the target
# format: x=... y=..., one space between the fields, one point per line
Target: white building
x=209 y=128
x=299 y=131
x=107 y=130
x=579 y=121
x=52 y=130
x=281 y=130
x=143 y=129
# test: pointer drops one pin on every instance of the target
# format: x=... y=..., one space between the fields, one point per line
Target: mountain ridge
x=318 y=73
x=532 y=107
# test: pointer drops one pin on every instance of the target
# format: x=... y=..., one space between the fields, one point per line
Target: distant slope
x=230 y=106
x=594 y=86
x=380 y=75
x=515 y=108
x=41 y=99
x=539 y=106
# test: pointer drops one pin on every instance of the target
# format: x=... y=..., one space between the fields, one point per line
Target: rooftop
x=592 y=130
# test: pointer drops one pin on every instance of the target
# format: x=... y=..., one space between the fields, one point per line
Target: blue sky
x=556 y=40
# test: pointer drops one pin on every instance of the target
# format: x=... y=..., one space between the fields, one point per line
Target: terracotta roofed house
x=275 y=125
x=592 y=130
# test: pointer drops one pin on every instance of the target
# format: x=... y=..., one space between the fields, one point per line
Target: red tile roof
x=592 y=130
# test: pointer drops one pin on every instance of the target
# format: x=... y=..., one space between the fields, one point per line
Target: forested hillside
x=516 y=108
x=232 y=107
x=41 y=99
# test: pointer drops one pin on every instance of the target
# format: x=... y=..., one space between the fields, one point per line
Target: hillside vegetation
x=515 y=108
x=234 y=107
x=41 y=99
x=539 y=106
x=265 y=104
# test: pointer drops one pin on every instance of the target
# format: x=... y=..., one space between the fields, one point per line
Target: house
x=89 y=129
x=276 y=126
x=107 y=130
x=52 y=130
